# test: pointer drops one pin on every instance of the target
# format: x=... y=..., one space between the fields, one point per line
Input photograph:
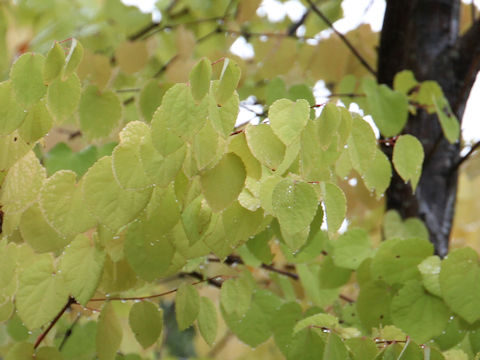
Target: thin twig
x=40 y=338
x=467 y=155
x=354 y=51
x=209 y=280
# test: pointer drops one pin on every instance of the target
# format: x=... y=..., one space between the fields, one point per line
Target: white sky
x=356 y=12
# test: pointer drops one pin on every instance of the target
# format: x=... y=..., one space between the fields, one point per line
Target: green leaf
x=332 y=276
x=151 y=97
x=306 y=345
x=294 y=204
x=351 y=248
x=40 y=287
x=283 y=322
x=228 y=81
x=26 y=75
x=265 y=145
x=109 y=333
x=179 y=114
x=63 y=97
x=430 y=271
x=223 y=117
x=240 y=224
x=48 y=353
x=421 y=315
x=82 y=265
x=408 y=159
x=373 y=304
x=335 y=206
x=62 y=204
x=236 y=295
x=22 y=184
x=99 y=112
x=448 y=120
x=207 y=320
x=61 y=157
x=21 y=351
x=238 y=145
x=222 y=184
x=328 y=123
x=378 y=175
x=275 y=90
x=146 y=322
x=200 y=79
x=335 y=348
x=195 y=219
x=206 y=147
x=108 y=202
x=317 y=320
x=362 y=145
x=38 y=233
x=11 y=113
x=187 y=306
x=73 y=59
x=396 y=260
x=53 y=63
x=12 y=148
x=361 y=348
x=389 y=108
x=37 y=124
x=288 y=119
x=148 y=251
x=404 y=81
x=459 y=283
x=254 y=327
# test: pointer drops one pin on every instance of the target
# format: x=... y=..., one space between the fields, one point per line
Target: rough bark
x=423 y=36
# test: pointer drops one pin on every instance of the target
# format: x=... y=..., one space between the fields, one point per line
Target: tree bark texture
x=423 y=36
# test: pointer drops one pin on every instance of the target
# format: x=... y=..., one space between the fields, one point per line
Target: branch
x=292 y=30
x=40 y=338
x=354 y=51
x=467 y=155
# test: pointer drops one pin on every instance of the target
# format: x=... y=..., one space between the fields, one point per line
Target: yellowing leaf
x=40 y=288
x=207 y=320
x=82 y=266
x=99 y=112
x=53 y=63
x=27 y=78
x=288 y=119
x=265 y=145
x=200 y=79
x=63 y=97
x=109 y=333
x=187 y=306
x=361 y=145
x=146 y=322
x=73 y=59
x=11 y=112
x=222 y=184
x=294 y=204
x=228 y=81
x=408 y=159
x=37 y=124
x=132 y=56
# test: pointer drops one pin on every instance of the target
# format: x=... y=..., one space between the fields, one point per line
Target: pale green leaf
x=108 y=202
x=459 y=283
x=62 y=203
x=38 y=233
x=207 y=320
x=20 y=351
x=222 y=184
x=421 y=315
x=448 y=120
x=63 y=97
x=430 y=271
x=26 y=75
x=389 y=108
x=82 y=265
x=109 y=333
x=373 y=304
x=351 y=248
x=335 y=348
x=206 y=147
x=238 y=145
x=404 y=81
x=328 y=123
x=37 y=124
x=228 y=81
x=335 y=205
x=150 y=98
x=265 y=145
x=146 y=322
x=317 y=320
x=73 y=59
x=48 y=353
x=223 y=117
x=12 y=148
x=408 y=158
x=200 y=79
x=362 y=145
x=288 y=119
x=378 y=175
x=11 y=113
x=236 y=295
x=99 y=112
x=40 y=287
x=53 y=63
x=187 y=305
x=294 y=204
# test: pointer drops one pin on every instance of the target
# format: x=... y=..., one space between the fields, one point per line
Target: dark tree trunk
x=423 y=36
